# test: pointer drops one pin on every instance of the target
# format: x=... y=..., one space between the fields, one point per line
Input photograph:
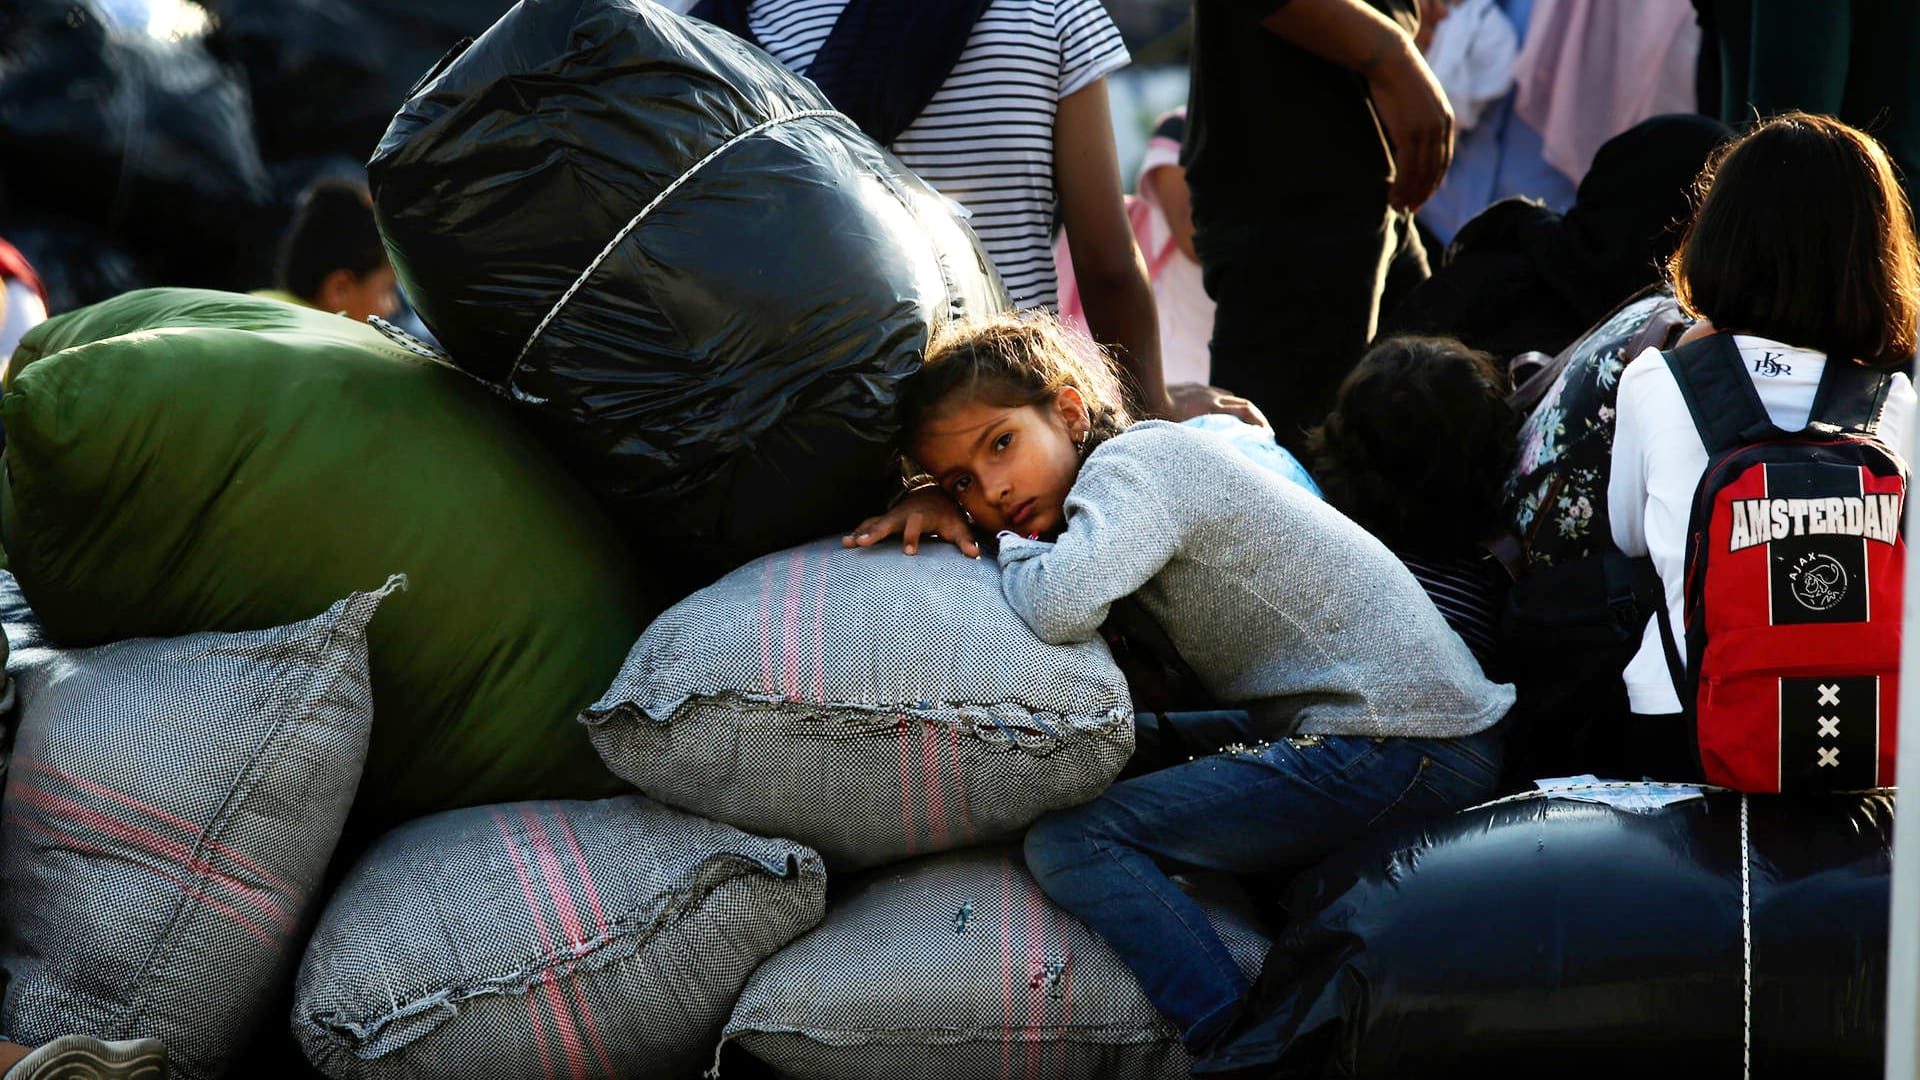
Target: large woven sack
x=603 y=939
x=868 y=703
x=957 y=967
x=696 y=276
x=180 y=460
x=1602 y=927
x=171 y=808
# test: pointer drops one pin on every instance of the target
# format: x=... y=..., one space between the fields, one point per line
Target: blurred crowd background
x=167 y=141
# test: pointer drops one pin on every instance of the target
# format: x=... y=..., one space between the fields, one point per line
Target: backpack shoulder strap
x=1851 y=397
x=885 y=59
x=1713 y=381
x=728 y=15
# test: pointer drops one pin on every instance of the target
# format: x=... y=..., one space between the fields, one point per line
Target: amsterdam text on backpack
x=1794 y=566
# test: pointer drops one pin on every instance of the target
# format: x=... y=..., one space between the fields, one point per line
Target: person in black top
x=1314 y=130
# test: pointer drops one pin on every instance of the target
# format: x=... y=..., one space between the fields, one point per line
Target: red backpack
x=1794 y=567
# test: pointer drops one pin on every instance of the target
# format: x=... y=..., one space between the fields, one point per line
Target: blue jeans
x=1262 y=809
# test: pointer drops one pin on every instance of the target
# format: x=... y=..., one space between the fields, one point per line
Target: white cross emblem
x=1829 y=725
x=1830 y=756
x=1829 y=694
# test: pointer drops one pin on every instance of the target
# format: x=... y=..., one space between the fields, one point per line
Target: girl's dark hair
x=1803 y=235
x=1013 y=360
x=1419 y=444
x=332 y=229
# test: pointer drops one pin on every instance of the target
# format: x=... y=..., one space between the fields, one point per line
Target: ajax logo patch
x=1819 y=581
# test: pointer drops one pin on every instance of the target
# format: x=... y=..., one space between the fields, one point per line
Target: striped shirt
x=1468 y=592
x=986 y=139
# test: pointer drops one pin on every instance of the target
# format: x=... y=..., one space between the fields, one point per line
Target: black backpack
x=1575 y=616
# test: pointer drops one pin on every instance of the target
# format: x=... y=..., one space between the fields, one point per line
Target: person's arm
x=1410 y=103
x=1114 y=291
x=1170 y=189
x=1119 y=534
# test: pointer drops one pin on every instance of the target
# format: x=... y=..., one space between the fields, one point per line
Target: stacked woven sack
x=170 y=808
x=891 y=711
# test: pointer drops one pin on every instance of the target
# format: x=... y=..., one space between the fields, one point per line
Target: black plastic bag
x=1584 y=939
x=149 y=138
x=703 y=284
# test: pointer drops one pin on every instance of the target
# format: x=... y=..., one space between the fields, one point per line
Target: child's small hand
x=928 y=512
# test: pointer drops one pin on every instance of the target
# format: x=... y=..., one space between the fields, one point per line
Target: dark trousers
x=1851 y=59
x=1297 y=303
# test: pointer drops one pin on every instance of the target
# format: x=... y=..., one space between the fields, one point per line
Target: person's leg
x=1162 y=740
x=1799 y=54
x=1266 y=809
x=1294 y=308
x=1883 y=83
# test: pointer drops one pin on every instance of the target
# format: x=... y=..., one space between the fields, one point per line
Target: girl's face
x=1009 y=467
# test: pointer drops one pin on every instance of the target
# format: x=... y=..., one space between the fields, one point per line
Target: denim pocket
x=1408 y=797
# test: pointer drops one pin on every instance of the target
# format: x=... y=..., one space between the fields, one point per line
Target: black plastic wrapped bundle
x=1584 y=939
x=701 y=281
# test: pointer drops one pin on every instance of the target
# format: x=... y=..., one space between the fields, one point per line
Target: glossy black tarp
x=703 y=284
x=1577 y=939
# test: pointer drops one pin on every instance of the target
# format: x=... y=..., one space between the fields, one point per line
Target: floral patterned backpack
x=1575 y=618
x=1557 y=497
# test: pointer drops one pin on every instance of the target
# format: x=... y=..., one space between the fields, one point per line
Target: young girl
x=1362 y=709
x=1803 y=249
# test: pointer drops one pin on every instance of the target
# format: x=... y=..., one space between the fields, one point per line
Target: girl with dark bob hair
x=1803 y=235
x=1802 y=250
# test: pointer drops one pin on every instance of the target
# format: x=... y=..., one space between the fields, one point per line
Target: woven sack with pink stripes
x=957 y=967
x=171 y=805
x=868 y=703
x=547 y=941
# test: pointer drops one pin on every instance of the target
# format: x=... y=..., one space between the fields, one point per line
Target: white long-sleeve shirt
x=1658 y=458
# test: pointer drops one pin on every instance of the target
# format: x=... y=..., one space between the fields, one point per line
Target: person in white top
x=1803 y=248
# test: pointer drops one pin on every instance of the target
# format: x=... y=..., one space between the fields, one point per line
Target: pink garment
x=1591 y=69
x=1184 y=308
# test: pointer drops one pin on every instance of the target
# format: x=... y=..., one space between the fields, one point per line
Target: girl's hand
x=1198 y=399
x=928 y=512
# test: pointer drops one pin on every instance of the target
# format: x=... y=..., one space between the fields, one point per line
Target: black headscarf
x=1520 y=276
x=1626 y=218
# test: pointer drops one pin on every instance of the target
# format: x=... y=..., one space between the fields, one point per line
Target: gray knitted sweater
x=1279 y=603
